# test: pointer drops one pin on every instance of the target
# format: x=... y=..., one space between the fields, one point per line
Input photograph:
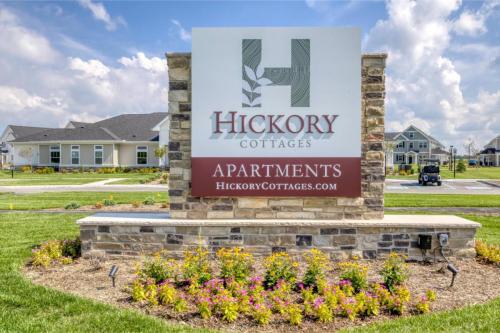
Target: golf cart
x=429 y=174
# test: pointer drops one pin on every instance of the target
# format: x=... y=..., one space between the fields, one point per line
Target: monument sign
x=276 y=112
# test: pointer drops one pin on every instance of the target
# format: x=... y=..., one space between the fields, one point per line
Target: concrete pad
x=397 y=221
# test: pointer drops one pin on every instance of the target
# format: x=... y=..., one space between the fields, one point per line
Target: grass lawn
x=471 y=173
x=9 y=201
x=24 y=178
x=441 y=200
x=489 y=232
x=25 y=307
x=477 y=318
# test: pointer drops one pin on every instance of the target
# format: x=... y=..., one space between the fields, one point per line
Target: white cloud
x=154 y=64
x=183 y=33
x=424 y=86
x=83 y=88
x=474 y=23
x=101 y=14
x=23 y=43
x=16 y=100
x=470 y=24
x=91 y=68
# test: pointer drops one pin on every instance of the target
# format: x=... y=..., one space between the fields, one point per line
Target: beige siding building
x=123 y=141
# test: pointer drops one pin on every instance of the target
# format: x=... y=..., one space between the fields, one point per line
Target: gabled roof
x=75 y=124
x=127 y=127
x=395 y=135
x=69 y=134
x=20 y=131
x=489 y=144
x=439 y=151
x=134 y=127
x=489 y=150
x=389 y=136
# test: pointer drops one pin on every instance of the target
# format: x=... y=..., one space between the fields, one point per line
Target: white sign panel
x=287 y=94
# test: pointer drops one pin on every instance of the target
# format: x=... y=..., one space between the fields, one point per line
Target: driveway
x=99 y=186
x=450 y=186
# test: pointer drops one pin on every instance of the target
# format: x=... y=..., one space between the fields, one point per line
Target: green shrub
x=235 y=264
x=149 y=201
x=72 y=205
x=109 y=202
x=26 y=169
x=356 y=273
x=279 y=266
x=395 y=271
x=158 y=269
x=44 y=171
x=461 y=166
x=56 y=251
x=317 y=266
x=196 y=267
x=489 y=253
x=106 y=170
x=71 y=248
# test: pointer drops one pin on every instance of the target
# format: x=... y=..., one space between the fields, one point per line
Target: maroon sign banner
x=313 y=176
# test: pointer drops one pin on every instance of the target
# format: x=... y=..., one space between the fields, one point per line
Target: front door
x=410 y=159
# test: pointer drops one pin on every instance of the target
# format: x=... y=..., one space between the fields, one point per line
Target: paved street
x=450 y=186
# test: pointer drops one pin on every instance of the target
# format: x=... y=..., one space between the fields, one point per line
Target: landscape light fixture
x=112 y=273
x=443 y=242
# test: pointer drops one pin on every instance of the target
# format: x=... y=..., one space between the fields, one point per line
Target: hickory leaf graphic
x=250 y=73
x=246 y=100
x=264 y=81
x=256 y=101
x=246 y=86
x=260 y=71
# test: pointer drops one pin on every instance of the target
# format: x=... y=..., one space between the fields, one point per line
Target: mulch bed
x=476 y=283
x=157 y=207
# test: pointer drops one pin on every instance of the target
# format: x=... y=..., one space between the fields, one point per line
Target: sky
x=87 y=60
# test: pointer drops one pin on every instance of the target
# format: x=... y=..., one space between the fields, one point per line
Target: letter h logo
x=255 y=76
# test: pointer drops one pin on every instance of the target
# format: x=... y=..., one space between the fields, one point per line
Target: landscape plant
x=149 y=201
x=235 y=263
x=317 y=264
x=72 y=205
x=56 y=251
x=489 y=253
x=355 y=273
x=394 y=271
x=279 y=266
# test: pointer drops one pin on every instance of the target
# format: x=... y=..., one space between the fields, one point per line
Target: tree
x=161 y=152
x=388 y=149
x=461 y=166
x=471 y=149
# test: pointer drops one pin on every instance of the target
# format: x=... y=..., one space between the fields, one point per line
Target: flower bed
x=232 y=291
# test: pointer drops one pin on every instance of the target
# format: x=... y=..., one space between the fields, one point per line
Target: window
x=142 y=155
x=411 y=145
x=55 y=154
x=411 y=135
x=401 y=144
x=75 y=155
x=98 y=151
x=422 y=145
x=400 y=157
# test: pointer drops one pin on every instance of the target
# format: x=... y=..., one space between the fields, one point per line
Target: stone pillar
x=369 y=206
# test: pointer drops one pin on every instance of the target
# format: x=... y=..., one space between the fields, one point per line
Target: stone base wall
x=339 y=241
x=369 y=206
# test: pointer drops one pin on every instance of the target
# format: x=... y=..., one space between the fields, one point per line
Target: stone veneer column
x=369 y=206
